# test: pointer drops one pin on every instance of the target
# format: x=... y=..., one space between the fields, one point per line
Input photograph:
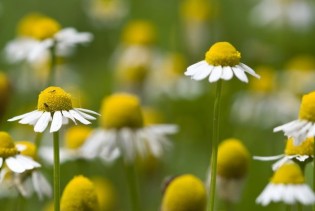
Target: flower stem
x=133 y=186
x=215 y=141
x=56 y=172
x=38 y=140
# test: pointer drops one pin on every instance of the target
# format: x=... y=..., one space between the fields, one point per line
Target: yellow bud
x=307 y=108
x=223 y=54
x=7 y=147
x=288 y=173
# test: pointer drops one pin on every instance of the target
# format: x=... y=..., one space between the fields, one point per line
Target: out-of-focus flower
x=79 y=194
x=296 y=14
x=55 y=106
x=106 y=194
x=232 y=168
x=122 y=130
x=303 y=127
x=106 y=12
x=260 y=104
x=301 y=153
x=184 y=193
x=288 y=186
x=222 y=61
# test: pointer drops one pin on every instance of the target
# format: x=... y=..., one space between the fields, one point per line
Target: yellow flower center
x=233 y=159
x=267 y=82
x=7 y=147
x=38 y=26
x=305 y=148
x=79 y=195
x=289 y=173
x=139 y=32
x=307 y=108
x=223 y=54
x=76 y=136
x=54 y=99
x=30 y=149
x=185 y=193
x=121 y=110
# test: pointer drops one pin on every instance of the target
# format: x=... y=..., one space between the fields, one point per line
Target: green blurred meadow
x=191 y=148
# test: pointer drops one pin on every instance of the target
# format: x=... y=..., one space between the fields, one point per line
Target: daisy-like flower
x=222 y=61
x=287 y=185
x=10 y=156
x=184 y=193
x=304 y=127
x=300 y=153
x=122 y=129
x=55 y=106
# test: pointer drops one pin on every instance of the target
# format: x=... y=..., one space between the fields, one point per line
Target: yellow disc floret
x=305 y=148
x=223 y=54
x=76 y=136
x=54 y=99
x=184 y=193
x=139 y=32
x=7 y=147
x=289 y=173
x=38 y=26
x=29 y=149
x=233 y=159
x=79 y=195
x=121 y=110
x=307 y=108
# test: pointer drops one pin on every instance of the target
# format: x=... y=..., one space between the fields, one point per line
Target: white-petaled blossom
x=9 y=156
x=301 y=153
x=222 y=61
x=288 y=186
x=55 y=106
x=304 y=127
x=124 y=133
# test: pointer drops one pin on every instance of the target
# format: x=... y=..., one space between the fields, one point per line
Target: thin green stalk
x=56 y=172
x=133 y=186
x=38 y=140
x=52 y=72
x=215 y=141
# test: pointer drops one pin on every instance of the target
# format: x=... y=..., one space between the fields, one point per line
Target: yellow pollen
x=305 y=148
x=30 y=149
x=76 y=136
x=184 y=193
x=121 y=110
x=38 y=26
x=139 y=32
x=79 y=195
x=7 y=147
x=223 y=54
x=54 y=99
x=233 y=159
x=289 y=173
x=307 y=108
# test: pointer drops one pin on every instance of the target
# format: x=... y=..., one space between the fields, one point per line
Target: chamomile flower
x=122 y=130
x=222 y=61
x=304 y=126
x=55 y=106
x=9 y=156
x=300 y=153
x=79 y=194
x=287 y=185
x=232 y=168
x=184 y=193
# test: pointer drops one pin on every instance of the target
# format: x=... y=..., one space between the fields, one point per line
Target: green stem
x=215 y=142
x=52 y=73
x=38 y=140
x=133 y=186
x=56 y=172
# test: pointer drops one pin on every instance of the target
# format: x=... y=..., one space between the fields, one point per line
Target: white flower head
x=304 y=127
x=222 y=61
x=55 y=106
x=288 y=186
x=124 y=134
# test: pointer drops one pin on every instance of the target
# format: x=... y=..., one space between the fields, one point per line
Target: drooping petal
x=68 y=115
x=19 y=117
x=202 y=72
x=42 y=122
x=227 y=73
x=87 y=111
x=192 y=69
x=77 y=116
x=86 y=116
x=249 y=70
x=14 y=165
x=215 y=74
x=239 y=73
x=31 y=117
x=56 y=122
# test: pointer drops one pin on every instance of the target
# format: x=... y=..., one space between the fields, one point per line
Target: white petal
x=56 y=122
x=14 y=165
x=311 y=131
x=268 y=158
x=215 y=74
x=31 y=117
x=86 y=116
x=41 y=185
x=192 y=69
x=227 y=73
x=19 y=117
x=27 y=161
x=239 y=73
x=68 y=115
x=77 y=116
x=249 y=70
x=42 y=122
x=202 y=72
x=87 y=111
x=282 y=127
x=1 y=162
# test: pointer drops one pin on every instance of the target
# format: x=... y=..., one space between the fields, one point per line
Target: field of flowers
x=102 y=103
